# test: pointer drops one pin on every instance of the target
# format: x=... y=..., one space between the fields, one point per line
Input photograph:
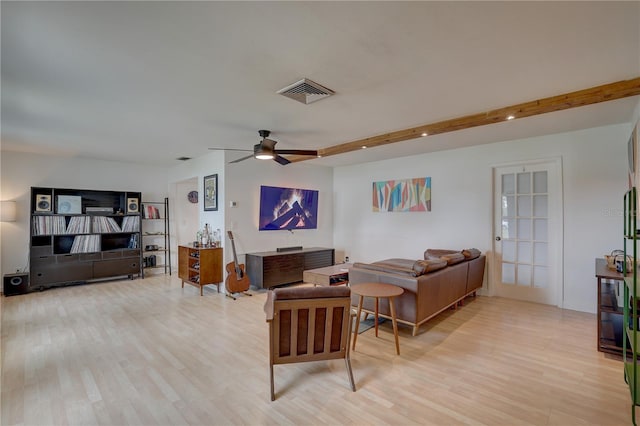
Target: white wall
x=195 y=169
x=198 y=168
x=636 y=113
x=240 y=182
x=595 y=179
x=242 y=185
x=21 y=171
x=185 y=215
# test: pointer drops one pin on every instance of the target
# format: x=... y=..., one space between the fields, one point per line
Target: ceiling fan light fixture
x=262 y=152
x=264 y=156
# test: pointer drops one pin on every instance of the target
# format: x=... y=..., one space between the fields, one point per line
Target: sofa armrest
x=362 y=275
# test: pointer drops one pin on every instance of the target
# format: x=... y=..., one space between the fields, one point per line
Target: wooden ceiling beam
x=604 y=93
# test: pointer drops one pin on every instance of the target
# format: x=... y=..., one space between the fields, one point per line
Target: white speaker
x=43 y=202
x=132 y=205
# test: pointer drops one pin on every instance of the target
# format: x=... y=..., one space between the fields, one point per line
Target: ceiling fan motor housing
x=266 y=150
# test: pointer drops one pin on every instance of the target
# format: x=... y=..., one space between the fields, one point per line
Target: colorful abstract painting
x=405 y=195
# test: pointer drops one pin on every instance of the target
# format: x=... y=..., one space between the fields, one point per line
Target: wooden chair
x=309 y=324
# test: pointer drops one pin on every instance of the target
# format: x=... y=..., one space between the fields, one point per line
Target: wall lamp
x=7 y=211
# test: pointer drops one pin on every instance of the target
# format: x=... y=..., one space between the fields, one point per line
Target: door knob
x=498 y=238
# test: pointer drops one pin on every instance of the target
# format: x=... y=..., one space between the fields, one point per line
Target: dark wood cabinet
x=79 y=235
x=610 y=309
x=200 y=266
x=273 y=268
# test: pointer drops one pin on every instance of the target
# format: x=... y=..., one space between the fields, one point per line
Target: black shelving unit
x=81 y=235
x=156 y=238
x=631 y=346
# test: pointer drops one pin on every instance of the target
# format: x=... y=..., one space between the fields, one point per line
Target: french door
x=528 y=232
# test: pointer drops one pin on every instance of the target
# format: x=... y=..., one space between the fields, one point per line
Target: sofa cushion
x=453 y=258
x=406 y=264
x=438 y=252
x=386 y=268
x=431 y=265
x=450 y=256
x=419 y=267
x=413 y=268
x=471 y=253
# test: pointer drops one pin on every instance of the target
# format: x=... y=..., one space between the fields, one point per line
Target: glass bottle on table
x=206 y=236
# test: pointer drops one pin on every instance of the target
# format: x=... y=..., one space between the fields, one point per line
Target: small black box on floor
x=16 y=284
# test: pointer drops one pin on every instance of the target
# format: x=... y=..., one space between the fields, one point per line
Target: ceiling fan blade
x=281 y=160
x=297 y=152
x=229 y=149
x=241 y=159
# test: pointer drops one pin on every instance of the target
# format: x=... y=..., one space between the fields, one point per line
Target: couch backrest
x=476 y=273
x=412 y=268
x=452 y=256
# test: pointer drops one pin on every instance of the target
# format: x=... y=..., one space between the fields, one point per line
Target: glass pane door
x=523 y=243
x=524 y=229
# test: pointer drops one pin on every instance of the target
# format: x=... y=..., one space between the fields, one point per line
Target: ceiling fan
x=265 y=150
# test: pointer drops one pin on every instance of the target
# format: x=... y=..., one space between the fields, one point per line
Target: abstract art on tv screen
x=288 y=208
x=403 y=195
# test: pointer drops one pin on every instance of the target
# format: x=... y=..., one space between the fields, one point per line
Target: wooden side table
x=200 y=266
x=377 y=290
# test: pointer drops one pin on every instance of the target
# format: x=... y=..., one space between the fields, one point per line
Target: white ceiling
x=153 y=81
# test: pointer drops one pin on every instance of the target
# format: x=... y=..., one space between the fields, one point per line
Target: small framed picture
x=211 y=193
x=69 y=204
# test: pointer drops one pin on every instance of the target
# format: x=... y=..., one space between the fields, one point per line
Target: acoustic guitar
x=237 y=280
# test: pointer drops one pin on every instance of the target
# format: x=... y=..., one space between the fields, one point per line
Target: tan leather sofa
x=441 y=280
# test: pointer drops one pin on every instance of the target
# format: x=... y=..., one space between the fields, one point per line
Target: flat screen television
x=287 y=208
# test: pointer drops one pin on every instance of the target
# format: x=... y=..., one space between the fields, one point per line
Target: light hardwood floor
x=149 y=352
